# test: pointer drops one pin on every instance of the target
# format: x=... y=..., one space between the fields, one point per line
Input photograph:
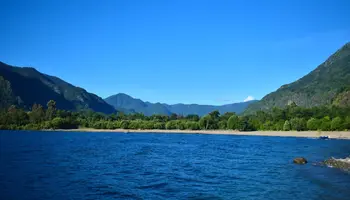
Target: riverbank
x=311 y=134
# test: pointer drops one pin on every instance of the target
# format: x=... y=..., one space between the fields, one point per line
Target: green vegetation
x=24 y=86
x=328 y=85
x=6 y=94
x=326 y=118
x=319 y=101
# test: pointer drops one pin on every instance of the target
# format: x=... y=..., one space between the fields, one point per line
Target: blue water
x=72 y=165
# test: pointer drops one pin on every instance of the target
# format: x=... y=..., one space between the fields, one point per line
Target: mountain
x=28 y=86
x=186 y=109
x=123 y=101
x=6 y=95
x=328 y=84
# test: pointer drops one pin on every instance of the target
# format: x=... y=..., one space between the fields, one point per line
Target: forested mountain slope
x=29 y=86
x=328 y=84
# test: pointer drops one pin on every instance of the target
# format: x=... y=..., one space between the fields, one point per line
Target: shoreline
x=308 y=134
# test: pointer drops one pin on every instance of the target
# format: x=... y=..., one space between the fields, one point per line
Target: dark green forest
x=325 y=118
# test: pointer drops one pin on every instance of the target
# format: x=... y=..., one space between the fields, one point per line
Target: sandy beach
x=312 y=134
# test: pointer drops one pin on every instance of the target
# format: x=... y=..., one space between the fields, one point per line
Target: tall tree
x=6 y=95
x=233 y=122
x=51 y=110
x=37 y=114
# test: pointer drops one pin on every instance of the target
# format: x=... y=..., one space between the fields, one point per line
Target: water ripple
x=50 y=165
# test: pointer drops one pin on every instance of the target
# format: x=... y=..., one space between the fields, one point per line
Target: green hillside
x=28 y=86
x=327 y=84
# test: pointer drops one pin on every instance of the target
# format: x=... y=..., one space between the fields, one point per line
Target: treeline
x=290 y=118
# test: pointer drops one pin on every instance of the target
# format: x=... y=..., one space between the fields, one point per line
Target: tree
x=222 y=125
x=278 y=126
x=99 y=124
x=16 y=117
x=206 y=122
x=147 y=125
x=191 y=125
x=278 y=114
x=135 y=124
x=337 y=124
x=159 y=125
x=226 y=116
x=325 y=124
x=6 y=95
x=112 y=117
x=37 y=115
x=346 y=123
x=60 y=123
x=233 y=122
x=244 y=124
x=121 y=116
x=192 y=118
x=51 y=110
x=313 y=124
x=298 y=124
x=268 y=125
x=170 y=125
x=181 y=125
x=255 y=123
x=111 y=125
x=124 y=124
x=215 y=115
x=287 y=126
x=173 y=116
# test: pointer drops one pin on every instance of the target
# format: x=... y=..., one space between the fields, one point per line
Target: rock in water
x=300 y=161
x=343 y=164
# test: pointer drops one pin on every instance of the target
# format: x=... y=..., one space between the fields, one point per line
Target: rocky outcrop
x=343 y=164
x=300 y=161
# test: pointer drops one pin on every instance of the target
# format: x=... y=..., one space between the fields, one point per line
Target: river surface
x=78 y=165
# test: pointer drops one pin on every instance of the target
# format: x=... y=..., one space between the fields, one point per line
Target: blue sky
x=206 y=52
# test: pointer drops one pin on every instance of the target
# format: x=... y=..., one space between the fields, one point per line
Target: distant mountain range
x=28 y=86
x=328 y=84
x=127 y=103
x=24 y=86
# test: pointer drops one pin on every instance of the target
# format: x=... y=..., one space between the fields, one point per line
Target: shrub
x=222 y=125
x=191 y=125
x=60 y=123
x=181 y=125
x=298 y=124
x=124 y=124
x=337 y=124
x=287 y=126
x=159 y=125
x=325 y=124
x=313 y=124
x=233 y=122
x=170 y=125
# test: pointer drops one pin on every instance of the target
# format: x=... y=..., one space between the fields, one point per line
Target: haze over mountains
x=123 y=101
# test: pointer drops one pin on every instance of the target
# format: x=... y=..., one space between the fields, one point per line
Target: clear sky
x=206 y=52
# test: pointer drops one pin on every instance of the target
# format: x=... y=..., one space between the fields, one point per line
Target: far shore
x=311 y=134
